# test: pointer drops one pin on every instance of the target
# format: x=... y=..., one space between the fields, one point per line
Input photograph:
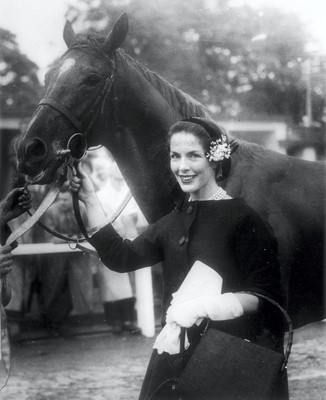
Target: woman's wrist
x=90 y=201
x=92 y=230
x=96 y=217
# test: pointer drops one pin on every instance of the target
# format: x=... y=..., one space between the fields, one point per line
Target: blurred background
x=258 y=66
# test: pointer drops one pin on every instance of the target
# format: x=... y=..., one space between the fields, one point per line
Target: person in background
x=65 y=278
x=116 y=290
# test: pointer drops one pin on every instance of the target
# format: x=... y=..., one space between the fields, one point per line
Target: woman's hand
x=185 y=313
x=14 y=204
x=215 y=307
x=6 y=260
x=81 y=183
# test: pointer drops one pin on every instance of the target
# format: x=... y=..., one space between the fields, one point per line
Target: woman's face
x=194 y=173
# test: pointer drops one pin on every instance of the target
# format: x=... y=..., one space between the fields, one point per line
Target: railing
x=143 y=282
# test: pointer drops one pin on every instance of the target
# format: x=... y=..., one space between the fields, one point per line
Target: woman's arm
x=256 y=251
x=84 y=187
x=249 y=302
x=118 y=254
x=124 y=255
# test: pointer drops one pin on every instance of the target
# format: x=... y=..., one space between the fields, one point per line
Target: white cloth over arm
x=200 y=281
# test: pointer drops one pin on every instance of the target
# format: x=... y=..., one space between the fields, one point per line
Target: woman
x=209 y=226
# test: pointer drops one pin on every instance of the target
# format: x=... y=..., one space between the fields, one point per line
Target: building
x=281 y=135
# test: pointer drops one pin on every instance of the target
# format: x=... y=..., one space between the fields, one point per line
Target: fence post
x=145 y=302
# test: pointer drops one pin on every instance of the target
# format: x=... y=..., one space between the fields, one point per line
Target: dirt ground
x=101 y=366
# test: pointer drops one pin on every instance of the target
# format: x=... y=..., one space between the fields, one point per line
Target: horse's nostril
x=35 y=150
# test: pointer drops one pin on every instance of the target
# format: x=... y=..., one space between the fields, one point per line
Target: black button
x=189 y=210
x=182 y=240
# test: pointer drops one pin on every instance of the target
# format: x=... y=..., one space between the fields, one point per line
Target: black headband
x=212 y=132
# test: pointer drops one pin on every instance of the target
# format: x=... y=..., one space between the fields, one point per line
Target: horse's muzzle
x=31 y=156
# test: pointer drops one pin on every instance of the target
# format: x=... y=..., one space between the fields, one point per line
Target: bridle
x=93 y=111
x=77 y=148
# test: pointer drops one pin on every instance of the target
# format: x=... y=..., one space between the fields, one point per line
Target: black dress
x=227 y=235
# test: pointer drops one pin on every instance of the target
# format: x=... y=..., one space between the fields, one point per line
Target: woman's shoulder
x=239 y=213
x=250 y=219
x=242 y=207
x=231 y=205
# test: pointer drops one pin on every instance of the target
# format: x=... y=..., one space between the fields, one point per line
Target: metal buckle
x=77 y=146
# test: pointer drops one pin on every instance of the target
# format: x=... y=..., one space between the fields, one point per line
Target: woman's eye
x=92 y=80
x=173 y=156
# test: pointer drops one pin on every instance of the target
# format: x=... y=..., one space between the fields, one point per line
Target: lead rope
x=113 y=217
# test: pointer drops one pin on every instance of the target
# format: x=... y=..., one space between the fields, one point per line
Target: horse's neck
x=254 y=162
x=145 y=106
x=267 y=180
x=150 y=96
x=142 y=116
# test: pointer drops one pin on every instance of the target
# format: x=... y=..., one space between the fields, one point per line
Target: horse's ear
x=118 y=34
x=69 y=35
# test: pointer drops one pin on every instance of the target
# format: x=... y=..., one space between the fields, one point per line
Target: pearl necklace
x=219 y=195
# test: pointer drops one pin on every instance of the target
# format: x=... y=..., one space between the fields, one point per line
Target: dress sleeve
x=256 y=253
x=124 y=255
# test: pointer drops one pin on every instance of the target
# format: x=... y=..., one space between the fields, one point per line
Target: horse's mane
x=176 y=98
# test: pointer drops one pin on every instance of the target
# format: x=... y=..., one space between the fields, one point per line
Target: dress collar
x=178 y=197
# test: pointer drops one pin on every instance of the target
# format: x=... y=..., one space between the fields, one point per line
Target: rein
x=75 y=240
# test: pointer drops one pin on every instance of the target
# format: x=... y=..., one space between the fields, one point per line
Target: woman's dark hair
x=206 y=131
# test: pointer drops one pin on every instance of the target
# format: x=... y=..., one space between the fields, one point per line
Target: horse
x=97 y=89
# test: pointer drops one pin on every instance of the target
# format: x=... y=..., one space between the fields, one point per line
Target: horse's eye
x=92 y=80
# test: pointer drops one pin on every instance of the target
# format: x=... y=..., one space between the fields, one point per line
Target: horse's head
x=75 y=89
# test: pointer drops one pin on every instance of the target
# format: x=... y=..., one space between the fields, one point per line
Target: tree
x=233 y=59
x=20 y=88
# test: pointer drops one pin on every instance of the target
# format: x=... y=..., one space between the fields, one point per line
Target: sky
x=38 y=24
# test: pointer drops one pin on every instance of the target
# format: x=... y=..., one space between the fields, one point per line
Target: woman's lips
x=186 y=178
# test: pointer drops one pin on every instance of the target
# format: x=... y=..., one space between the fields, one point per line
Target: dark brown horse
x=98 y=90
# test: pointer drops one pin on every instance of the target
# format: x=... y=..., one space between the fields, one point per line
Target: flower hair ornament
x=219 y=149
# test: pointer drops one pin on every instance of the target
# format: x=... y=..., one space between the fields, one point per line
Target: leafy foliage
x=236 y=60
x=19 y=85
